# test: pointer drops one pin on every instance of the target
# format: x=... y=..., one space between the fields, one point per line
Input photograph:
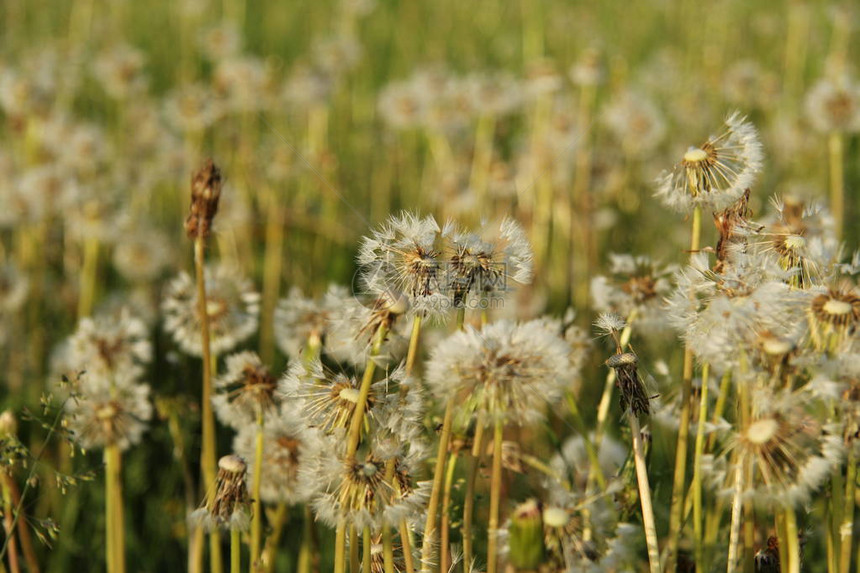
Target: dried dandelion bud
x=632 y=390
x=230 y=507
x=526 y=536
x=767 y=558
x=205 y=193
x=8 y=424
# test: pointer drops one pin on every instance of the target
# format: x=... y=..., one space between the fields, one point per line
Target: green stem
x=495 y=498
x=648 y=522
x=469 y=501
x=735 y=530
x=354 y=559
x=256 y=523
x=837 y=181
x=364 y=391
x=340 y=546
x=88 y=280
x=698 y=521
x=680 y=477
x=793 y=542
x=445 y=536
x=847 y=529
x=270 y=551
x=365 y=553
x=438 y=475
x=235 y=551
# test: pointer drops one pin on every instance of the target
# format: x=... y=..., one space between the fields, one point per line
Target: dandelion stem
x=235 y=551
x=677 y=504
x=270 y=551
x=495 y=498
x=89 y=272
x=366 y=549
x=115 y=521
x=847 y=529
x=9 y=525
x=387 y=550
x=208 y=453
x=364 y=391
x=792 y=541
x=735 y=530
x=340 y=546
x=648 y=522
x=412 y=354
x=406 y=543
x=438 y=476
x=698 y=520
x=273 y=257
x=308 y=555
x=471 y=481
x=445 y=535
x=354 y=559
x=256 y=523
x=837 y=181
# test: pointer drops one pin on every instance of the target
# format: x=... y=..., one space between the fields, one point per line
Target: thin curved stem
x=495 y=499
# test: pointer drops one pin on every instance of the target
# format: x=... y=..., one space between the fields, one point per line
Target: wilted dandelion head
x=506 y=371
x=229 y=506
x=205 y=195
x=231 y=304
x=109 y=411
x=716 y=173
x=244 y=391
x=834 y=106
x=287 y=445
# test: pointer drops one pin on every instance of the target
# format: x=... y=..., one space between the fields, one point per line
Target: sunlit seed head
x=762 y=431
x=555 y=517
x=695 y=155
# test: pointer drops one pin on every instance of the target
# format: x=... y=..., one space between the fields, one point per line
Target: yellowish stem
x=648 y=522
x=495 y=499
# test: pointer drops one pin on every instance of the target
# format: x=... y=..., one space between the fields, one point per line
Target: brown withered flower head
x=205 y=193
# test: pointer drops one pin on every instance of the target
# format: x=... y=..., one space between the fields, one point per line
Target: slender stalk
x=340 y=547
x=698 y=521
x=354 y=558
x=272 y=267
x=847 y=529
x=793 y=542
x=387 y=550
x=354 y=436
x=412 y=354
x=257 y=521
x=9 y=526
x=23 y=531
x=720 y=406
x=270 y=551
x=113 y=478
x=648 y=521
x=837 y=181
x=495 y=498
x=406 y=543
x=366 y=549
x=678 y=483
x=235 y=551
x=308 y=554
x=735 y=530
x=88 y=279
x=438 y=476
x=208 y=453
x=357 y=420
x=445 y=527
x=469 y=501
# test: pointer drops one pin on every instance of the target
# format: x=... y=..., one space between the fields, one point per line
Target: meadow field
x=452 y=286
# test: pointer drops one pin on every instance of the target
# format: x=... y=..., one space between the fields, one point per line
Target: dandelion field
x=367 y=285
